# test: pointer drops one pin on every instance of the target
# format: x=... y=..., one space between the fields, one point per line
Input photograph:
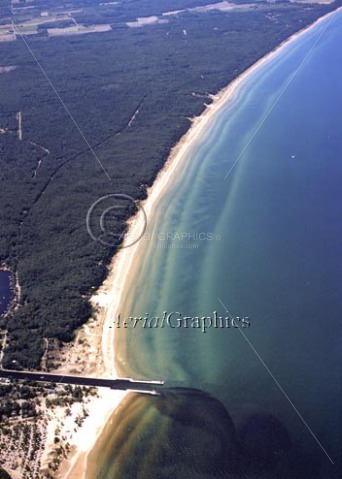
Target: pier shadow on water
x=187 y=434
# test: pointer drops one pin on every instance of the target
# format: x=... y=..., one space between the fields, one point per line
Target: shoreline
x=120 y=269
x=14 y=289
x=101 y=408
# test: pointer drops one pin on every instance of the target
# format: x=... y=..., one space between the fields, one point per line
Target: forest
x=49 y=178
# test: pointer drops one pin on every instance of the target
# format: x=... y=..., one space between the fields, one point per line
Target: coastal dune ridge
x=108 y=298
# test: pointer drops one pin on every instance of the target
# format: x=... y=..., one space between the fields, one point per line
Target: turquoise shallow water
x=266 y=243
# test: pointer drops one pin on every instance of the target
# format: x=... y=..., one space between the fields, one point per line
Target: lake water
x=264 y=243
x=6 y=294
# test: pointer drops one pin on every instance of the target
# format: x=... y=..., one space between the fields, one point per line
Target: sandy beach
x=108 y=298
x=100 y=410
x=109 y=295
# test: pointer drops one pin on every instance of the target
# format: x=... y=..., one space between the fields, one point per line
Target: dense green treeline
x=50 y=179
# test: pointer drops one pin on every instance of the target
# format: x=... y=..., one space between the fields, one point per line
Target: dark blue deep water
x=265 y=402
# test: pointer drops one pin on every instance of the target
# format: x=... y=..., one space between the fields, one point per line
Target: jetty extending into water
x=119 y=384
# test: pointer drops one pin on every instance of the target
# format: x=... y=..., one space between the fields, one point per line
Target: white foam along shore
x=109 y=296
